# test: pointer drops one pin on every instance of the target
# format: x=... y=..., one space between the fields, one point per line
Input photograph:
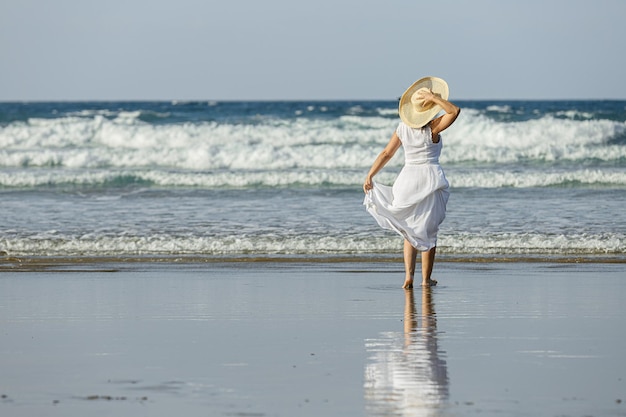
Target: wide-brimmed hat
x=412 y=110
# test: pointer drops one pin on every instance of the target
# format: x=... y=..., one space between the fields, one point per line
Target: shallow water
x=261 y=179
x=304 y=223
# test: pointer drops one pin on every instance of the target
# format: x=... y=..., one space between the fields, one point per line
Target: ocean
x=282 y=180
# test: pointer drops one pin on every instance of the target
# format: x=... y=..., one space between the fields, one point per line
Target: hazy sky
x=322 y=49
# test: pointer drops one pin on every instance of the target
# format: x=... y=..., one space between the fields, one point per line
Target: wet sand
x=332 y=339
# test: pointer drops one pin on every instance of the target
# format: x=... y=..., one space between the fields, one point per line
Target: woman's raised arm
x=443 y=122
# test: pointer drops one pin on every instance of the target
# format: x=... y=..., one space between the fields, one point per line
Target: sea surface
x=257 y=180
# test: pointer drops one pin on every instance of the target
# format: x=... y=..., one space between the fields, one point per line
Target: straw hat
x=412 y=110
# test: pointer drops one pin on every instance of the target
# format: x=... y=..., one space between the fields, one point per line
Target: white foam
x=534 y=243
x=574 y=114
x=499 y=109
x=387 y=112
x=125 y=143
x=522 y=178
x=458 y=178
x=54 y=244
x=480 y=139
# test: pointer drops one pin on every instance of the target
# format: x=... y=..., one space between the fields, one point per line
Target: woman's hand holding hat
x=426 y=95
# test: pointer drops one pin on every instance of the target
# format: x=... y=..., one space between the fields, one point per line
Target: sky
x=310 y=50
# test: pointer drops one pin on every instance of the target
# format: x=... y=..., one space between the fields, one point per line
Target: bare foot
x=429 y=283
x=408 y=284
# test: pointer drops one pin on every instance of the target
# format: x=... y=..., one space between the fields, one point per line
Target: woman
x=415 y=205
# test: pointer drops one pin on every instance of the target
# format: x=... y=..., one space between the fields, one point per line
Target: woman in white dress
x=415 y=205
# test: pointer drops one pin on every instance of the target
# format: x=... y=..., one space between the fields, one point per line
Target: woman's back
x=418 y=145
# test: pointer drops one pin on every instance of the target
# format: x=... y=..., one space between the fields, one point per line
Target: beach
x=312 y=338
x=214 y=258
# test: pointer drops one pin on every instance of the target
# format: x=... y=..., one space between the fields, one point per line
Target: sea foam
x=54 y=244
x=344 y=142
x=101 y=146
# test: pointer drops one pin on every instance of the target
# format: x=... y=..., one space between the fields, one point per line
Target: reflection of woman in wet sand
x=406 y=375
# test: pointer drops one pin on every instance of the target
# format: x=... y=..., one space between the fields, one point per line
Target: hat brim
x=407 y=112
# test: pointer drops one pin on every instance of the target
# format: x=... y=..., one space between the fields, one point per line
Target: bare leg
x=410 y=253
x=428 y=260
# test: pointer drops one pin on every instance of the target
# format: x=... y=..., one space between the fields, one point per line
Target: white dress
x=415 y=205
